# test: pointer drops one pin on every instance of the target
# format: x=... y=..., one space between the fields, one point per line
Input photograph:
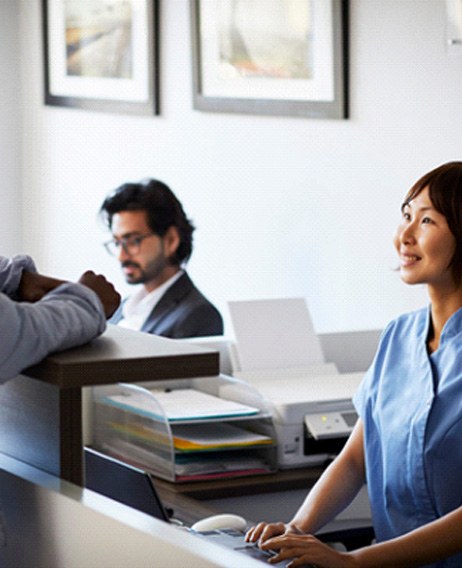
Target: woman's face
x=425 y=244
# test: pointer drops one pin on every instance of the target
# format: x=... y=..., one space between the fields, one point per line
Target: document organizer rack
x=187 y=429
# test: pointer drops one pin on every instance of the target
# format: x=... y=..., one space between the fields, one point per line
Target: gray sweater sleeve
x=11 y=272
x=68 y=316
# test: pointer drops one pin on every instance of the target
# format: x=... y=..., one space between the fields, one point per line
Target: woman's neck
x=443 y=305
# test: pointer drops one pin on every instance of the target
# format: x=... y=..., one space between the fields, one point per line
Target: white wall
x=10 y=130
x=283 y=206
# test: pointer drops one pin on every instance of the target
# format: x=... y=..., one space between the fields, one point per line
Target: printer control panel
x=325 y=425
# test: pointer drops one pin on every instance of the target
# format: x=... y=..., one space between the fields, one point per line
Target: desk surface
x=255 y=498
x=122 y=355
x=283 y=480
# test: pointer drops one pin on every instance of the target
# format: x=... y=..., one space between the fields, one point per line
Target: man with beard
x=152 y=238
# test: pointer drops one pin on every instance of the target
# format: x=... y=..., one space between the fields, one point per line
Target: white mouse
x=223 y=521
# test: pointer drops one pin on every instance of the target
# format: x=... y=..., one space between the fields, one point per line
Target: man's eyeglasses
x=130 y=245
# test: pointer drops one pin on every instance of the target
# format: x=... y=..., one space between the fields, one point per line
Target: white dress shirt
x=136 y=308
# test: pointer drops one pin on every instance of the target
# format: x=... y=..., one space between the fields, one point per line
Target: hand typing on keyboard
x=286 y=543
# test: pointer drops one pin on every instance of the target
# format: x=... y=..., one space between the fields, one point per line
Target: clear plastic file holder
x=187 y=429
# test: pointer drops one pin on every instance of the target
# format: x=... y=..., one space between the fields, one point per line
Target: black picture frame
x=312 y=104
x=127 y=81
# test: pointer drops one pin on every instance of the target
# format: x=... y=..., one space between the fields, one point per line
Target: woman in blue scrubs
x=407 y=443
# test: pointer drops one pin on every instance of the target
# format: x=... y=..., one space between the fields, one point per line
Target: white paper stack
x=275 y=334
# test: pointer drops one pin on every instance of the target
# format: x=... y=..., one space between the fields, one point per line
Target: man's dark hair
x=163 y=210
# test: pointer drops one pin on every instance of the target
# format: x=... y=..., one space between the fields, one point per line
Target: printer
x=277 y=351
x=311 y=409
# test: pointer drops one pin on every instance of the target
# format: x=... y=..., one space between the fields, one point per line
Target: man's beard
x=152 y=271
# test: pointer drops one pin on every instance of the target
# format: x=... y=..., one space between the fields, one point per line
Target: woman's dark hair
x=162 y=208
x=445 y=191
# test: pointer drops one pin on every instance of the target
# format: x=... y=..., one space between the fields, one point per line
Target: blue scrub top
x=411 y=406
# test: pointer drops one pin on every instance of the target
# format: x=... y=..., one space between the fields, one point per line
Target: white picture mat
x=135 y=89
x=215 y=83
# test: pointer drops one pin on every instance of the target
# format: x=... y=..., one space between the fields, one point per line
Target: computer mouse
x=222 y=521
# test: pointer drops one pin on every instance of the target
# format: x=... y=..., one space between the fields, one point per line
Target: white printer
x=312 y=413
x=278 y=352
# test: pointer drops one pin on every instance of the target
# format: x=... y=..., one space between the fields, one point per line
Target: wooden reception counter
x=41 y=418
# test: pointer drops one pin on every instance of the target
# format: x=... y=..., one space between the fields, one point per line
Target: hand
x=263 y=531
x=106 y=292
x=34 y=286
x=305 y=550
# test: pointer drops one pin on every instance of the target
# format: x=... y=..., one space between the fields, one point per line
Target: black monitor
x=122 y=482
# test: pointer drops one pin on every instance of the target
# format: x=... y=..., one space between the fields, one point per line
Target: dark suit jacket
x=181 y=312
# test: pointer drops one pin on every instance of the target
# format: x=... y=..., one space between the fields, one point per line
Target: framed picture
x=279 y=57
x=101 y=55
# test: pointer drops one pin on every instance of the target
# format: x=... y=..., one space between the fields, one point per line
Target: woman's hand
x=263 y=531
x=306 y=550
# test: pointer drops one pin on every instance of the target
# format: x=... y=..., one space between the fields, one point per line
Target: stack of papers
x=214 y=465
x=195 y=437
x=180 y=404
x=199 y=437
x=189 y=467
x=181 y=433
x=274 y=334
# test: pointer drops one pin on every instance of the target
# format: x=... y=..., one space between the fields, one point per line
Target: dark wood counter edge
x=125 y=355
x=70 y=417
x=283 y=480
x=84 y=374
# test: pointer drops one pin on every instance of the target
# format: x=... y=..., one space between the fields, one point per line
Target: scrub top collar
x=451 y=328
